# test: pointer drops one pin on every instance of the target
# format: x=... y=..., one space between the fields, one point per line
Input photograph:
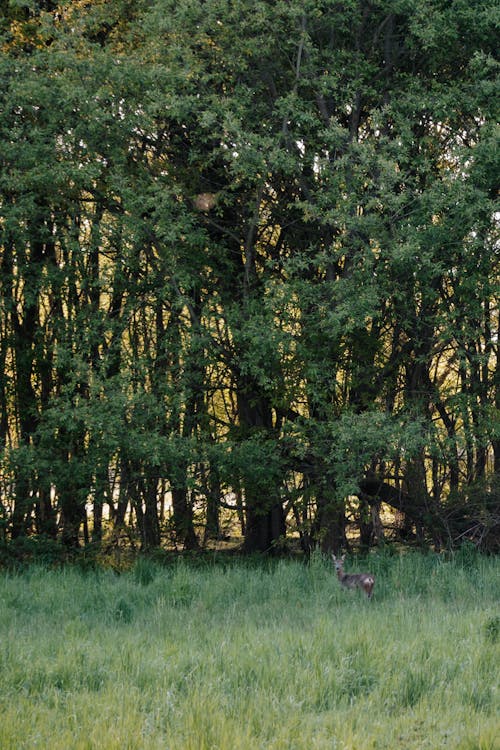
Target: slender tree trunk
x=213 y=495
x=150 y=520
x=25 y=326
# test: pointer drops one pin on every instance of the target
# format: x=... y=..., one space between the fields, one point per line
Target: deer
x=365 y=581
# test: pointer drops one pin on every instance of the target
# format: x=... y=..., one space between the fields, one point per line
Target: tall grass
x=241 y=657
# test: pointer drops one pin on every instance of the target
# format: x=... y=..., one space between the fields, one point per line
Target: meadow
x=243 y=655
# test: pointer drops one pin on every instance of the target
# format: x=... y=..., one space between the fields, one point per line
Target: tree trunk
x=265 y=524
x=330 y=525
x=183 y=518
x=150 y=521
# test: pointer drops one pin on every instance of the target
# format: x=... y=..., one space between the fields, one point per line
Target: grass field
x=242 y=656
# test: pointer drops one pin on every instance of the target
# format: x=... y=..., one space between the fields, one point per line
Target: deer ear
x=343 y=558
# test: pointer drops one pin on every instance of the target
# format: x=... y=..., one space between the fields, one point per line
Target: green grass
x=242 y=656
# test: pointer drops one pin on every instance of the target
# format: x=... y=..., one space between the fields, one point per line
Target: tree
x=247 y=249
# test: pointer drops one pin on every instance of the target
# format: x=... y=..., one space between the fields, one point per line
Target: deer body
x=365 y=581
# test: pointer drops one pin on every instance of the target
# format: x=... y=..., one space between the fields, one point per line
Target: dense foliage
x=249 y=270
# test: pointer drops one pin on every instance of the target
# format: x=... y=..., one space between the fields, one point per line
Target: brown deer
x=365 y=581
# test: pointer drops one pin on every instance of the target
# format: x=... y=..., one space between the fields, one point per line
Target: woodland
x=249 y=273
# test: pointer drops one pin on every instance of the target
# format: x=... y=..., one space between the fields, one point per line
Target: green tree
x=251 y=249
